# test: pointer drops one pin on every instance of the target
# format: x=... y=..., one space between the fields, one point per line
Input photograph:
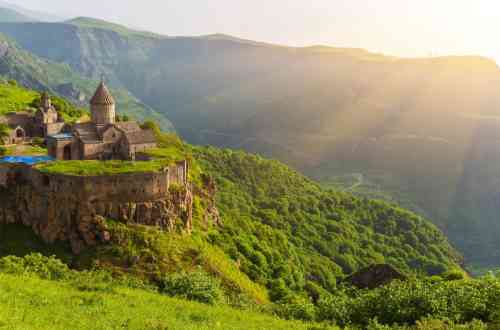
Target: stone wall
x=74 y=208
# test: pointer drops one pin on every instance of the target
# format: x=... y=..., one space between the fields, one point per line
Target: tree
x=4 y=132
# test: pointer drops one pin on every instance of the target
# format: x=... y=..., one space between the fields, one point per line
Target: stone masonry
x=75 y=208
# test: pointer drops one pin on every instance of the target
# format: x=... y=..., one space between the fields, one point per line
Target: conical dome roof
x=102 y=96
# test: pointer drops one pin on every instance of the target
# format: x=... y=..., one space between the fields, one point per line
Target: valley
x=222 y=182
x=423 y=123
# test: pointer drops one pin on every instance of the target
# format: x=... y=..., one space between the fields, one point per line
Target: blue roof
x=28 y=160
x=62 y=136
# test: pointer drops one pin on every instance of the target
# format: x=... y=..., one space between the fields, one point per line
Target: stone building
x=25 y=125
x=102 y=138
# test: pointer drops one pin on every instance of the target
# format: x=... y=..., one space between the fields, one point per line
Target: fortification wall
x=140 y=187
x=74 y=208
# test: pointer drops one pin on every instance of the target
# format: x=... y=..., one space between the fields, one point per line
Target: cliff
x=62 y=207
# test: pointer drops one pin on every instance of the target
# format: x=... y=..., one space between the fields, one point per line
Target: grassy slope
x=14 y=98
x=29 y=303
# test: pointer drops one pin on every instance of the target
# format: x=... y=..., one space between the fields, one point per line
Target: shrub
x=198 y=286
x=298 y=308
x=35 y=264
x=37 y=141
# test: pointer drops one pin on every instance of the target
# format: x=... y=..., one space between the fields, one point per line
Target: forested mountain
x=39 y=74
x=423 y=132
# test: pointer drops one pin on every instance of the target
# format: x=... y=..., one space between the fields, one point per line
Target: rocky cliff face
x=62 y=216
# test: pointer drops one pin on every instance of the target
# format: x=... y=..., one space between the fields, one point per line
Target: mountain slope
x=35 y=73
x=423 y=130
x=9 y=16
x=32 y=15
x=279 y=232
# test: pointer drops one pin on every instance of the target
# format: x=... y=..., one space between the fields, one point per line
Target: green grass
x=95 y=167
x=31 y=303
x=22 y=150
x=14 y=98
x=173 y=253
x=19 y=240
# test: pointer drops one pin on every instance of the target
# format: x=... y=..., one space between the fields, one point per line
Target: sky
x=396 y=27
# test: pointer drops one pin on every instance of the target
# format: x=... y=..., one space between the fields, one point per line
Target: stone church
x=26 y=125
x=102 y=138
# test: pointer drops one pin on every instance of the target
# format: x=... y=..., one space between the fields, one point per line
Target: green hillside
x=421 y=130
x=287 y=235
x=15 y=98
x=63 y=306
x=283 y=249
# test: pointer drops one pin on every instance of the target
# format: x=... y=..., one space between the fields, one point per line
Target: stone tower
x=102 y=106
x=46 y=103
x=46 y=114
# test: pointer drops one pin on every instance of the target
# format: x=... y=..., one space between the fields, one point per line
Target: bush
x=298 y=308
x=198 y=286
x=48 y=268
x=408 y=302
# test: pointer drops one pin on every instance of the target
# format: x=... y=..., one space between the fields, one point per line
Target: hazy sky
x=398 y=27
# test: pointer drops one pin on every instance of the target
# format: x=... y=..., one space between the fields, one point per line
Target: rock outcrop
x=60 y=211
x=374 y=276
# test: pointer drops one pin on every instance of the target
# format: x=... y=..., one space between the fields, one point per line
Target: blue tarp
x=29 y=160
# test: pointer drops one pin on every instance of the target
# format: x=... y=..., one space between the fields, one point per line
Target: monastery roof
x=87 y=132
x=128 y=126
x=16 y=118
x=141 y=137
x=102 y=96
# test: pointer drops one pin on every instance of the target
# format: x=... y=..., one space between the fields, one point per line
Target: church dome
x=102 y=96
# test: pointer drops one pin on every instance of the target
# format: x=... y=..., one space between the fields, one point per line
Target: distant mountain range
x=423 y=132
x=25 y=14
x=9 y=15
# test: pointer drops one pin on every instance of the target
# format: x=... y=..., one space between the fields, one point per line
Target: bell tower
x=102 y=106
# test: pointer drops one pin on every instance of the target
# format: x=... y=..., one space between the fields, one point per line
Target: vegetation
x=39 y=292
x=23 y=150
x=70 y=112
x=286 y=233
x=30 y=298
x=95 y=167
x=14 y=98
x=412 y=145
x=4 y=132
x=292 y=236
